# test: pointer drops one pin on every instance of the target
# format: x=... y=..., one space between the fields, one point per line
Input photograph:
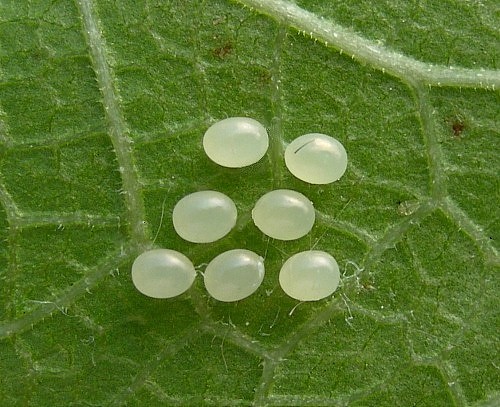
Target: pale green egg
x=162 y=273
x=284 y=214
x=204 y=216
x=310 y=275
x=236 y=142
x=234 y=275
x=316 y=158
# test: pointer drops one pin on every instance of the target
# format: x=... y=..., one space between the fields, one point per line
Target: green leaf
x=103 y=105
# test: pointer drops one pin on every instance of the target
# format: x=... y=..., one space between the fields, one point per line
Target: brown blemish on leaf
x=223 y=51
x=265 y=77
x=457 y=125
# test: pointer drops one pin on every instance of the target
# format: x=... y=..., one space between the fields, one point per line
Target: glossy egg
x=236 y=142
x=284 y=214
x=316 y=158
x=234 y=275
x=204 y=216
x=162 y=273
x=310 y=275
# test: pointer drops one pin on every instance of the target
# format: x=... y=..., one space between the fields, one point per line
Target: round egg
x=204 y=216
x=162 y=273
x=310 y=275
x=316 y=158
x=234 y=275
x=284 y=214
x=236 y=142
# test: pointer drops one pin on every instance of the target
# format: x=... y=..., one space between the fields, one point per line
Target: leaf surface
x=103 y=105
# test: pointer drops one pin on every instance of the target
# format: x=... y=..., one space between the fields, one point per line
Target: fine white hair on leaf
x=62 y=309
x=294 y=308
x=161 y=220
x=275 y=319
x=358 y=270
x=346 y=301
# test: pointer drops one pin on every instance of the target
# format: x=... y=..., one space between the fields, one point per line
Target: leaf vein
x=116 y=123
x=407 y=69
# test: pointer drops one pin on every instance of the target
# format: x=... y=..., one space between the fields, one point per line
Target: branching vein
x=405 y=68
x=472 y=229
x=92 y=277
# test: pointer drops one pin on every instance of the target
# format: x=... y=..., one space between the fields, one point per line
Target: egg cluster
x=207 y=216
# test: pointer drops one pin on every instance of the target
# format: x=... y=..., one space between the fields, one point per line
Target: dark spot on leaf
x=223 y=51
x=265 y=77
x=458 y=127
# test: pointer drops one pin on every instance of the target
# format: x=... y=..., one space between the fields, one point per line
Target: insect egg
x=234 y=275
x=310 y=275
x=284 y=214
x=162 y=273
x=236 y=142
x=316 y=158
x=204 y=216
